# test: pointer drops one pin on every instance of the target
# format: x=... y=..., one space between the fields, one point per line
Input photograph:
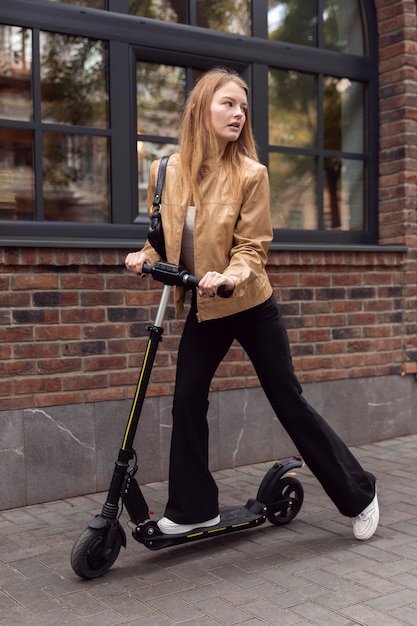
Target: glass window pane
x=344 y=203
x=231 y=16
x=343 y=26
x=293 y=22
x=93 y=4
x=292 y=108
x=160 y=98
x=343 y=115
x=165 y=10
x=148 y=152
x=16 y=175
x=15 y=73
x=293 y=191
x=74 y=80
x=75 y=178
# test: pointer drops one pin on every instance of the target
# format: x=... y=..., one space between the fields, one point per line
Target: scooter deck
x=232 y=519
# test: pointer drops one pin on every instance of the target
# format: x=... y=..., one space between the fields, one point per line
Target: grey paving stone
x=310 y=572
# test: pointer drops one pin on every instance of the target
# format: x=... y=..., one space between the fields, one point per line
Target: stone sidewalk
x=311 y=571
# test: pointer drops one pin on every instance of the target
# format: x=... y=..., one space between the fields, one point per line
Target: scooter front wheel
x=290 y=497
x=89 y=556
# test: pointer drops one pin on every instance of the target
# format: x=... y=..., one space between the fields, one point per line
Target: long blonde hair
x=197 y=140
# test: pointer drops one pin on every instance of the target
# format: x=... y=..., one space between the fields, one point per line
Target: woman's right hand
x=134 y=261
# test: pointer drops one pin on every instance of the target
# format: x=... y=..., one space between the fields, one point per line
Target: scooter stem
x=163 y=305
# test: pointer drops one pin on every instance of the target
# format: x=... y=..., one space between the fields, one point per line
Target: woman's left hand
x=211 y=281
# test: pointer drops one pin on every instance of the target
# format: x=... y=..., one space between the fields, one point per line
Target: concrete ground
x=311 y=571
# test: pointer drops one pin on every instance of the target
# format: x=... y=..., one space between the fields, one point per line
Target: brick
x=83 y=348
x=103 y=363
x=101 y=298
x=106 y=331
x=85 y=315
x=13 y=299
x=59 y=332
x=56 y=399
x=17 y=367
x=126 y=314
x=84 y=381
x=13 y=334
x=6 y=389
x=50 y=366
x=345 y=333
x=77 y=282
x=105 y=395
x=35 y=281
x=36 y=350
x=22 y=316
x=37 y=385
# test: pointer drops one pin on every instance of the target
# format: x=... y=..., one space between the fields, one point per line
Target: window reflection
x=160 y=98
x=16 y=175
x=73 y=80
x=93 y=4
x=293 y=22
x=293 y=191
x=148 y=152
x=75 y=178
x=15 y=73
x=343 y=26
x=166 y=10
x=343 y=114
x=292 y=108
x=298 y=22
x=343 y=194
x=231 y=16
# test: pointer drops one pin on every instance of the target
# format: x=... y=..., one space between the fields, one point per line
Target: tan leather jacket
x=230 y=237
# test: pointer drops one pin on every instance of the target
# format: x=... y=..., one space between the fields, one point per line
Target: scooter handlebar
x=171 y=274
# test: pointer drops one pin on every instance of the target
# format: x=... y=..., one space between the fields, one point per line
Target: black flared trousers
x=193 y=493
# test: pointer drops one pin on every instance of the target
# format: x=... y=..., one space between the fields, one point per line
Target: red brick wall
x=72 y=321
x=397 y=28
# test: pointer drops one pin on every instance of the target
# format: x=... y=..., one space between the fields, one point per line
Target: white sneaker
x=171 y=528
x=366 y=523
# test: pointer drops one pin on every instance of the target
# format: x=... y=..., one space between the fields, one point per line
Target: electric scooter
x=278 y=500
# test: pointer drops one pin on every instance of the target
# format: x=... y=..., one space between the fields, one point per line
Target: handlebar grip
x=146 y=268
x=171 y=274
x=191 y=281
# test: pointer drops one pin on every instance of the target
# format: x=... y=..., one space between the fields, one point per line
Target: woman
x=217 y=223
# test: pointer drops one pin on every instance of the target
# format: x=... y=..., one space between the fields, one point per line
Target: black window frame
x=133 y=38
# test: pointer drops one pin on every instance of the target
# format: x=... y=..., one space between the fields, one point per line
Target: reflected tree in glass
x=15 y=73
x=343 y=132
x=343 y=26
x=76 y=177
x=74 y=93
x=74 y=80
x=292 y=108
x=165 y=10
x=293 y=124
x=293 y=191
x=231 y=16
x=293 y=21
x=16 y=174
x=160 y=98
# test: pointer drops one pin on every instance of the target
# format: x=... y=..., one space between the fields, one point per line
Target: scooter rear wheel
x=290 y=489
x=88 y=560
